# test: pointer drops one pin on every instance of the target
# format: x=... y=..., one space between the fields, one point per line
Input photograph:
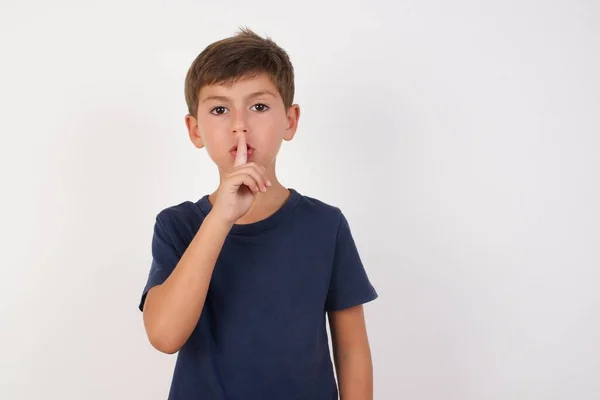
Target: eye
x=260 y=107
x=218 y=110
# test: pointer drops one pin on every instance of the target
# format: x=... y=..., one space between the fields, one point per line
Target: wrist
x=218 y=222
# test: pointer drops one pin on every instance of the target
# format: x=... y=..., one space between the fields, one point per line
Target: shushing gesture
x=240 y=185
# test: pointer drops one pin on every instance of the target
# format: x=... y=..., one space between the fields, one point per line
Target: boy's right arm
x=172 y=309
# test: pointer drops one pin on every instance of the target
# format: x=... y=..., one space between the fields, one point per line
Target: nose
x=239 y=124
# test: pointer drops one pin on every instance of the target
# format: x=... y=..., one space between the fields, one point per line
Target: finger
x=258 y=173
x=252 y=164
x=250 y=182
x=241 y=156
x=259 y=169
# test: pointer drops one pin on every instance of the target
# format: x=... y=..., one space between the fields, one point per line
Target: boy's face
x=252 y=107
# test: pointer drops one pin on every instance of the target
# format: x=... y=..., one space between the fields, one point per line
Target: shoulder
x=322 y=212
x=184 y=210
x=179 y=220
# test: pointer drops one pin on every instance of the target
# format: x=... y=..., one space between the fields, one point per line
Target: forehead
x=240 y=87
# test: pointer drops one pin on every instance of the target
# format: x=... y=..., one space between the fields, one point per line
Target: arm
x=172 y=310
x=352 y=354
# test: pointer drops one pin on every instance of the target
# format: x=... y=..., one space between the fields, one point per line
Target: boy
x=241 y=281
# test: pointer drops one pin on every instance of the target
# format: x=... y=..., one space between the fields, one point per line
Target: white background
x=461 y=139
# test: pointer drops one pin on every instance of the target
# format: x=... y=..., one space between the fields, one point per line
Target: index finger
x=241 y=155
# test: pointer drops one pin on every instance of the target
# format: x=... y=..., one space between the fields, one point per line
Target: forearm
x=172 y=310
x=355 y=374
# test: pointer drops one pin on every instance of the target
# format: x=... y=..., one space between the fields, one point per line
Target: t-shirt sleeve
x=164 y=259
x=349 y=286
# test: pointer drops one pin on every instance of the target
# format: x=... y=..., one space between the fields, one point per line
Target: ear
x=292 y=117
x=192 y=126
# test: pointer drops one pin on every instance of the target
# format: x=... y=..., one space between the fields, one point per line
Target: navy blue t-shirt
x=262 y=332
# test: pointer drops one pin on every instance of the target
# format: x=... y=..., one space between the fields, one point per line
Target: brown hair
x=244 y=55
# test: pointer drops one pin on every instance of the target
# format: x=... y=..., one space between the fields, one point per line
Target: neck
x=265 y=204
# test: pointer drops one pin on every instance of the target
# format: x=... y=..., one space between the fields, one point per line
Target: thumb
x=241 y=156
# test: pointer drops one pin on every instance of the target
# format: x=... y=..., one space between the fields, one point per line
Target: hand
x=238 y=188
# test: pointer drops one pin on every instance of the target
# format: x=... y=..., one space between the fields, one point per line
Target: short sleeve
x=164 y=259
x=349 y=286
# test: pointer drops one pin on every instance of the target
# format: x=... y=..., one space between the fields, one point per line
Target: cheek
x=212 y=133
x=268 y=135
x=267 y=130
x=216 y=141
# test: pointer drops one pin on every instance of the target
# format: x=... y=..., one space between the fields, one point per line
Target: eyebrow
x=250 y=96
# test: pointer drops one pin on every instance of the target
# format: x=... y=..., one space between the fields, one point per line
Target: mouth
x=249 y=149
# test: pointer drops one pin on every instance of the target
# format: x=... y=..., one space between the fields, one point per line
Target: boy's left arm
x=352 y=353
